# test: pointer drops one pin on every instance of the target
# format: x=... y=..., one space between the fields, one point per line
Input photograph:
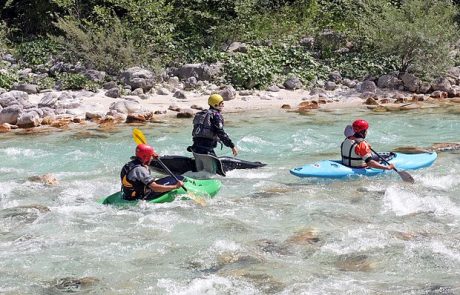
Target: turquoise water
x=266 y=232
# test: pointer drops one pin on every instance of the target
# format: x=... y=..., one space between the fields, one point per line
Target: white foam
x=357 y=240
x=440 y=248
x=402 y=202
x=210 y=285
x=225 y=245
x=27 y=153
x=249 y=174
x=443 y=183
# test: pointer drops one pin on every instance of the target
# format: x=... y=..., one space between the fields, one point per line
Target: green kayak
x=197 y=188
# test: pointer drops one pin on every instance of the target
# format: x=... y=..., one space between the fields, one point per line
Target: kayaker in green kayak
x=136 y=180
x=356 y=151
x=208 y=128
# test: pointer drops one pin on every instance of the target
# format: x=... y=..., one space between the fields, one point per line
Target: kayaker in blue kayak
x=208 y=128
x=356 y=151
x=136 y=180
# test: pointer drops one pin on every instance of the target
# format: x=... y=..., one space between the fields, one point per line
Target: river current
x=266 y=232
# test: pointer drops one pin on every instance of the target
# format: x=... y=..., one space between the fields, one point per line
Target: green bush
x=71 y=81
x=37 y=52
x=420 y=33
x=4 y=42
x=357 y=65
x=262 y=66
x=7 y=79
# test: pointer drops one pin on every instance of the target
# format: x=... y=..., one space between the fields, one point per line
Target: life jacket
x=349 y=156
x=202 y=126
x=131 y=189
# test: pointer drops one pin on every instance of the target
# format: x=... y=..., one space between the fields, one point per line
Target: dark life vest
x=202 y=125
x=131 y=189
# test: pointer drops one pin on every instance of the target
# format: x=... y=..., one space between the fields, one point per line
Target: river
x=266 y=232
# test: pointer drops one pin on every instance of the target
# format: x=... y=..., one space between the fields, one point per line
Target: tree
x=421 y=33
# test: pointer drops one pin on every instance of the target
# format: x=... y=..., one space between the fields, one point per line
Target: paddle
x=139 y=138
x=404 y=174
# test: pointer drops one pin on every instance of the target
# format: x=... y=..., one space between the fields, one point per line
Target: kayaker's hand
x=179 y=184
x=391 y=167
x=235 y=151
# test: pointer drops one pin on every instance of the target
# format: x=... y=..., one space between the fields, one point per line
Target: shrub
x=38 y=51
x=7 y=79
x=419 y=33
x=71 y=81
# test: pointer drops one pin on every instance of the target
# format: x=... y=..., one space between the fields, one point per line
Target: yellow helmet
x=215 y=99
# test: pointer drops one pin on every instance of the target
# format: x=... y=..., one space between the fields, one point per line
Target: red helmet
x=145 y=152
x=360 y=125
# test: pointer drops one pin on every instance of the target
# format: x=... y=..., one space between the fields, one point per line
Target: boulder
x=180 y=94
x=28 y=120
x=442 y=84
x=163 y=91
x=228 y=93
x=10 y=114
x=389 y=81
x=26 y=87
x=114 y=92
x=367 y=86
x=185 y=113
x=14 y=97
x=335 y=77
x=331 y=86
x=110 y=85
x=93 y=75
x=293 y=83
x=5 y=127
x=48 y=100
x=137 y=77
x=125 y=107
x=411 y=82
x=237 y=47
x=202 y=72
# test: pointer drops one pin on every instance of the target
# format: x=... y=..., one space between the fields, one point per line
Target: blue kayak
x=335 y=169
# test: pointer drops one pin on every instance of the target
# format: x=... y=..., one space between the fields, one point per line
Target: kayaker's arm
x=374 y=164
x=161 y=188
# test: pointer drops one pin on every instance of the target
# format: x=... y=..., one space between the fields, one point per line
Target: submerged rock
x=355 y=263
x=47 y=179
x=304 y=237
x=69 y=284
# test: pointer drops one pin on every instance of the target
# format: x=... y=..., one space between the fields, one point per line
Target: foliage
x=115 y=34
x=29 y=17
x=71 y=81
x=420 y=33
x=108 y=50
x=7 y=79
x=36 y=52
x=264 y=65
x=357 y=65
x=3 y=37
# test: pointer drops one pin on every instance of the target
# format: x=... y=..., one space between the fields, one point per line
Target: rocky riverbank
x=139 y=97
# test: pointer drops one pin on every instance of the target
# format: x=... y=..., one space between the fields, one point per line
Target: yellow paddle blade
x=139 y=137
x=199 y=200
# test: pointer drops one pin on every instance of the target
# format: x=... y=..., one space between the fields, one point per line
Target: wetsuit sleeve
x=218 y=126
x=363 y=149
x=142 y=174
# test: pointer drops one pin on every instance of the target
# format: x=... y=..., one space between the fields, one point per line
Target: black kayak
x=182 y=164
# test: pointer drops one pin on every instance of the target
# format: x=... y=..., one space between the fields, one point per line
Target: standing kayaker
x=136 y=180
x=356 y=151
x=208 y=128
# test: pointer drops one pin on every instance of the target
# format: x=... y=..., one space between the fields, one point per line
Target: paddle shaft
x=383 y=159
x=169 y=171
x=403 y=174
